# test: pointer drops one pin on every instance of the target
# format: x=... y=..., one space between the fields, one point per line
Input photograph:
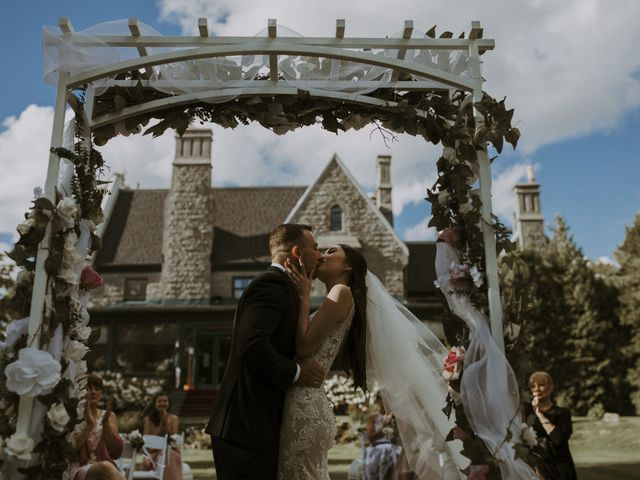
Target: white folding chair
x=127 y=459
x=152 y=442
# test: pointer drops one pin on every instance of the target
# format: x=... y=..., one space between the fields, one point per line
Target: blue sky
x=580 y=126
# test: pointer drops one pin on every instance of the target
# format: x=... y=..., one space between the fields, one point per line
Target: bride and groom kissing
x=271 y=418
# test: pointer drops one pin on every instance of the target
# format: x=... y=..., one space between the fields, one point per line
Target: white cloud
x=420 y=232
x=569 y=68
x=503 y=196
x=607 y=261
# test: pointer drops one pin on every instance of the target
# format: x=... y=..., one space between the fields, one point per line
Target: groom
x=246 y=418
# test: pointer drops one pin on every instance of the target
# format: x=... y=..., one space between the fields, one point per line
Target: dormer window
x=336 y=218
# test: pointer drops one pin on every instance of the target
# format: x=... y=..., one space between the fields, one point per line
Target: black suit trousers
x=236 y=462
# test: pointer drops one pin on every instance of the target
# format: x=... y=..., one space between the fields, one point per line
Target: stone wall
x=385 y=257
x=188 y=227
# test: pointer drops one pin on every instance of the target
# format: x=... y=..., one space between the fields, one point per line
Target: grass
x=602 y=451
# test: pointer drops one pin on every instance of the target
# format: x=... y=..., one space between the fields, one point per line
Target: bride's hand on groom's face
x=311 y=374
x=297 y=272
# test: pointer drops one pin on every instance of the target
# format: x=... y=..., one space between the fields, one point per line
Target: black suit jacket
x=248 y=409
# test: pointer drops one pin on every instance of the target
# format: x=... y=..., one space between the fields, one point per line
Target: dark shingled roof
x=421 y=271
x=243 y=218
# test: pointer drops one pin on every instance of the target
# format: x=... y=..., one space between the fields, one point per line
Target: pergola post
x=40 y=281
x=484 y=173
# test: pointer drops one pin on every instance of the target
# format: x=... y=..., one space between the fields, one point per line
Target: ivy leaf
x=447 y=35
x=431 y=33
x=275 y=108
x=43 y=203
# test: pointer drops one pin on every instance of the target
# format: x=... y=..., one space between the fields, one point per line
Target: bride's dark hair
x=354 y=348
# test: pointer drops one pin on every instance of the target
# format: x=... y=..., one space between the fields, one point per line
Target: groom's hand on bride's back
x=311 y=374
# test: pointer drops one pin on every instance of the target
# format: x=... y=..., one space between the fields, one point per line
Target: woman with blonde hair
x=553 y=426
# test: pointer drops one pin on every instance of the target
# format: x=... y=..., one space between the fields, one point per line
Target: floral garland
x=53 y=371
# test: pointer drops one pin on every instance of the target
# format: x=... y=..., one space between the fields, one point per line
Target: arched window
x=336 y=218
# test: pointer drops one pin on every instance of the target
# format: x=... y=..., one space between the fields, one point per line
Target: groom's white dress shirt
x=281 y=267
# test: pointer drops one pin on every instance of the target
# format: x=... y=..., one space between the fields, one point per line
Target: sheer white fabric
x=405 y=361
x=86 y=51
x=489 y=388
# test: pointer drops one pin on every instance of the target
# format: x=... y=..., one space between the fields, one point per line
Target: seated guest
x=553 y=425
x=96 y=440
x=160 y=422
x=383 y=452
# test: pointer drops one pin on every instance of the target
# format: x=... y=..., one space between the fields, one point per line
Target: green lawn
x=602 y=451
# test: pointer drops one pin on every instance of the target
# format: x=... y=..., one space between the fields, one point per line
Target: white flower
x=37 y=192
x=511 y=332
x=24 y=227
x=476 y=276
x=14 y=331
x=35 y=373
x=20 y=446
x=70 y=258
x=443 y=196
x=67 y=210
x=83 y=333
x=58 y=416
x=528 y=435
x=465 y=208
x=74 y=350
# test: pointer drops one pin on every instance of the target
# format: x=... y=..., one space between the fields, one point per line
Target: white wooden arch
x=204 y=46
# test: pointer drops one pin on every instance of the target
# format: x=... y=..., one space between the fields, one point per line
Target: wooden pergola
x=425 y=78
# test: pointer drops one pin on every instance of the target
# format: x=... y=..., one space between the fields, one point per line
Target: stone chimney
x=528 y=219
x=188 y=222
x=382 y=194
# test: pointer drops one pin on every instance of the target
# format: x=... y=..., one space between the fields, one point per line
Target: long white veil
x=405 y=361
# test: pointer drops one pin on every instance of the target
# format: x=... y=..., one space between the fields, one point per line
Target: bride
x=383 y=344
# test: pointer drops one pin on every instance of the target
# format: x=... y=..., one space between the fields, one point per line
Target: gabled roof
x=335 y=161
x=242 y=220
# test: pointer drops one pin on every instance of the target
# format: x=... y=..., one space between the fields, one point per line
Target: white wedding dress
x=309 y=425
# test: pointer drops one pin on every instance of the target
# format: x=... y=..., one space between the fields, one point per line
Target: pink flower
x=460 y=434
x=451 y=236
x=478 y=472
x=90 y=279
x=453 y=363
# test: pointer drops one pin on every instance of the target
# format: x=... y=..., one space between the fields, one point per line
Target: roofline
x=353 y=180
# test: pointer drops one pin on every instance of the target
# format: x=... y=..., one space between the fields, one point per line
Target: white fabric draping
x=489 y=388
x=62 y=54
x=405 y=362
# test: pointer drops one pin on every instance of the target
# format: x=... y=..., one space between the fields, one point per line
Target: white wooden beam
x=347 y=42
x=203 y=27
x=340 y=27
x=273 y=47
x=272 y=28
x=402 y=52
x=476 y=31
x=40 y=282
x=134 y=28
x=267 y=90
x=488 y=233
x=65 y=25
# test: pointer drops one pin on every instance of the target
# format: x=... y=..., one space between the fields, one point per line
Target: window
x=239 y=284
x=135 y=289
x=336 y=218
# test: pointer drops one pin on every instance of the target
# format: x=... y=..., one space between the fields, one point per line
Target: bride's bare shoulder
x=341 y=295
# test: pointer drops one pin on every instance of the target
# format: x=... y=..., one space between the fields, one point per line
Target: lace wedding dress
x=309 y=425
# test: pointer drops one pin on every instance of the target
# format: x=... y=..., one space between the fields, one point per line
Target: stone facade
x=188 y=230
x=362 y=223
x=528 y=218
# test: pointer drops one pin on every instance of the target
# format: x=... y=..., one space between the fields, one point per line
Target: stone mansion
x=175 y=261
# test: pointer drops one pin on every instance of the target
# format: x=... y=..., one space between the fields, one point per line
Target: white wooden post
x=484 y=172
x=41 y=280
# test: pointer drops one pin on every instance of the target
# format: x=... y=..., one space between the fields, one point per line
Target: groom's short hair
x=285 y=236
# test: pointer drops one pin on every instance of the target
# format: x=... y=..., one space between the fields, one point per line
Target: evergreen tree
x=628 y=283
x=572 y=329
